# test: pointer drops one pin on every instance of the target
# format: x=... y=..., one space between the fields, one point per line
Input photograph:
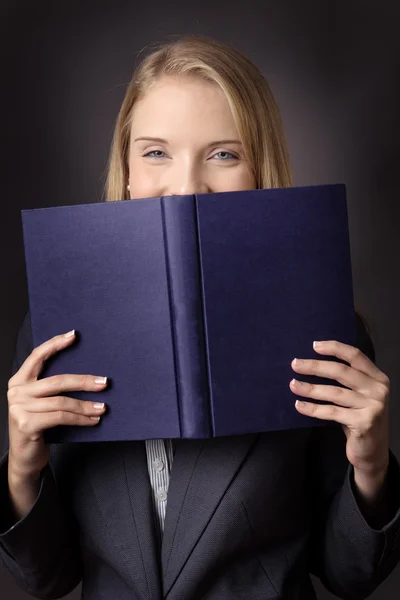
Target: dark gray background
x=334 y=69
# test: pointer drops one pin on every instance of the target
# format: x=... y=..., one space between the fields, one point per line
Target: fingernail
x=70 y=333
x=101 y=380
x=98 y=405
x=95 y=418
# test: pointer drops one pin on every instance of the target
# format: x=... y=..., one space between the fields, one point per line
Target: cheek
x=239 y=179
x=143 y=180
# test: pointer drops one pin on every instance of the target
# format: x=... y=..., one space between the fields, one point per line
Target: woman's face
x=196 y=146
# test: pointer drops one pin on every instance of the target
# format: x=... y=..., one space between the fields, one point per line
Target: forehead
x=176 y=102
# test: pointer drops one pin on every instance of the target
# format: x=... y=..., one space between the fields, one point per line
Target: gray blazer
x=248 y=517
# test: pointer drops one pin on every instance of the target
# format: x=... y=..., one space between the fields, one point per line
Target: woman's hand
x=35 y=405
x=362 y=410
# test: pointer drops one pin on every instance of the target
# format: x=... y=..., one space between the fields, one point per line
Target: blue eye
x=228 y=157
x=225 y=152
x=151 y=152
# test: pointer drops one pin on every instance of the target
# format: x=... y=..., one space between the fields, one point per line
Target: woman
x=228 y=518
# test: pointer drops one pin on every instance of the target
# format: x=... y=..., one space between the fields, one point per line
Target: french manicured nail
x=317 y=344
x=98 y=405
x=95 y=418
x=100 y=380
x=70 y=333
x=298 y=361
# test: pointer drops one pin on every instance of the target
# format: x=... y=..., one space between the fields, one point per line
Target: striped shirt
x=160 y=455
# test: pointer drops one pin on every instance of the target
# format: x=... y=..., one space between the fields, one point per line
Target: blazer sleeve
x=41 y=550
x=350 y=557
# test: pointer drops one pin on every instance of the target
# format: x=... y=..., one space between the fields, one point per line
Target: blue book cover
x=193 y=306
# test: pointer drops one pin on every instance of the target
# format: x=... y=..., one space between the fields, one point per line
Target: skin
x=362 y=411
x=192 y=118
x=35 y=405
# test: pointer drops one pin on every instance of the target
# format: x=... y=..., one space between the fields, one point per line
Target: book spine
x=187 y=320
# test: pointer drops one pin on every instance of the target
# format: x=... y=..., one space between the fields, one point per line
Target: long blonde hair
x=251 y=101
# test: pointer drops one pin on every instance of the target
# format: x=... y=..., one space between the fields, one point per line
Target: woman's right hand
x=35 y=405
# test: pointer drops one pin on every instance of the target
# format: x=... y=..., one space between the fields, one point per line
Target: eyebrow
x=162 y=141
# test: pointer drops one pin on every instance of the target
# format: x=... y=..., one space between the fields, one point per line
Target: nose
x=186 y=181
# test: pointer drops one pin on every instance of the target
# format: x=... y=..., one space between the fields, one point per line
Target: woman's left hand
x=362 y=410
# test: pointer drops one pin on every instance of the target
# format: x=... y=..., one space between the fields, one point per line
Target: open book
x=193 y=306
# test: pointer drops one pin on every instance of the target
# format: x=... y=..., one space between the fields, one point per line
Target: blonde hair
x=251 y=101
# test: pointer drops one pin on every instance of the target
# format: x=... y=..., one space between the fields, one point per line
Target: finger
x=330 y=393
x=31 y=424
x=33 y=364
x=354 y=356
x=326 y=412
x=64 y=403
x=56 y=384
x=347 y=375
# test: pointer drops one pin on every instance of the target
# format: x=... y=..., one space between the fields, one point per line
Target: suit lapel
x=122 y=474
x=201 y=472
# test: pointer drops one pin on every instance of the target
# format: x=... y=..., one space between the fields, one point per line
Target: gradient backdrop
x=333 y=67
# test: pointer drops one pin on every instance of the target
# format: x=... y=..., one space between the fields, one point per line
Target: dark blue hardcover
x=193 y=306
